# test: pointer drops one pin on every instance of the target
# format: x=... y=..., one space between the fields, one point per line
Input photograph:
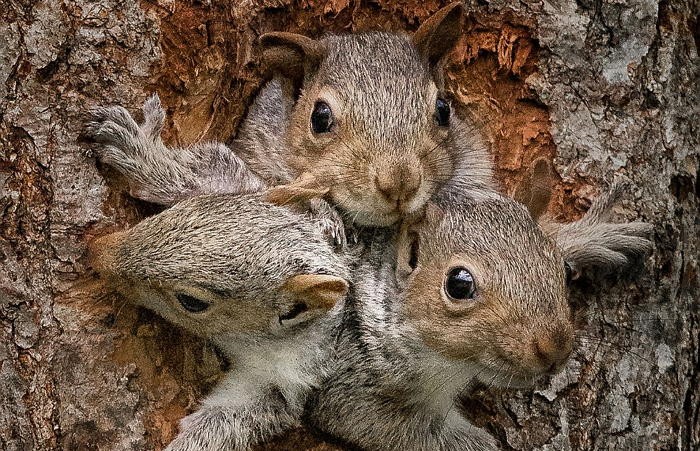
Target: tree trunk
x=600 y=87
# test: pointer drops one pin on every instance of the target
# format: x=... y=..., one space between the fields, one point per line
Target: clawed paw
x=330 y=222
x=335 y=232
x=120 y=134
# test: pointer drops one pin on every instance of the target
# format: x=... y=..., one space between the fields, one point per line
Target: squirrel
x=258 y=280
x=334 y=121
x=475 y=292
x=364 y=116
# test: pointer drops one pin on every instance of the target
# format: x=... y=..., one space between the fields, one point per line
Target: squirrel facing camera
x=476 y=292
x=494 y=297
x=373 y=122
x=372 y=126
x=223 y=264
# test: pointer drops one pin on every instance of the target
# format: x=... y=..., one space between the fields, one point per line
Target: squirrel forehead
x=380 y=50
x=492 y=231
x=221 y=240
x=499 y=242
x=374 y=62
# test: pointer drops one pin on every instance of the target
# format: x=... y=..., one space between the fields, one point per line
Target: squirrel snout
x=399 y=185
x=101 y=253
x=552 y=350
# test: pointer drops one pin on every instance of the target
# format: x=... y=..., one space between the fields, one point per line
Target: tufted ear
x=440 y=33
x=304 y=188
x=318 y=291
x=535 y=191
x=293 y=55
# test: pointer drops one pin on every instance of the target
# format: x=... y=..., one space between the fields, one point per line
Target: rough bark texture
x=600 y=86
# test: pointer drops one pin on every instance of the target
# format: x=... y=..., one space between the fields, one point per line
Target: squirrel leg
x=594 y=243
x=356 y=411
x=463 y=435
x=156 y=173
x=221 y=427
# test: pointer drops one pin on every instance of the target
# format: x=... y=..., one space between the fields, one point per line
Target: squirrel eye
x=442 y=112
x=192 y=304
x=459 y=284
x=321 y=118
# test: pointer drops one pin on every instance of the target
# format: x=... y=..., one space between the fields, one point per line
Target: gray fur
x=385 y=386
x=389 y=390
x=383 y=97
x=165 y=176
x=161 y=175
x=236 y=253
x=593 y=244
x=261 y=140
x=385 y=104
x=381 y=386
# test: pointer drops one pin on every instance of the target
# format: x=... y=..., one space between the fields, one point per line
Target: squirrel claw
x=335 y=233
x=330 y=222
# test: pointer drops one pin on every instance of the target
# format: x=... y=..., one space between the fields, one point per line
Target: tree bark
x=599 y=87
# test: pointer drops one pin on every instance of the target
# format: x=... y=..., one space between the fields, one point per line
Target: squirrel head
x=219 y=265
x=484 y=286
x=372 y=121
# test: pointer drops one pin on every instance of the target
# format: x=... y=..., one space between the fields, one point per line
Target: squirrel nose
x=101 y=253
x=398 y=186
x=553 y=350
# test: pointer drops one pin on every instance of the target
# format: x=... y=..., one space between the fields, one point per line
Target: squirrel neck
x=275 y=358
x=288 y=366
x=374 y=326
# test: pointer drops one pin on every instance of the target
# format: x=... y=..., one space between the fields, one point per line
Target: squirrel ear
x=319 y=291
x=304 y=188
x=407 y=248
x=439 y=34
x=408 y=241
x=535 y=191
x=291 y=54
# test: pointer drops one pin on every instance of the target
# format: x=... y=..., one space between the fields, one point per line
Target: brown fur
x=520 y=320
x=384 y=156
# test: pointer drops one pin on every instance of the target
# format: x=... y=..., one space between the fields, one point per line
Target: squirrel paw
x=596 y=243
x=124 y=141
x=330 y=221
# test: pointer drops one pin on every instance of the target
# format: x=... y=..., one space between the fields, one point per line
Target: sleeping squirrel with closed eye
x=258 y=280
x=474 y=293
x=365 y=116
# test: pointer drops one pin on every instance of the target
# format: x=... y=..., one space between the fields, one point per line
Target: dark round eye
x=321 y=118
x=442 y=112
x=568 y=272
x=459 y=284
x=192 y=304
